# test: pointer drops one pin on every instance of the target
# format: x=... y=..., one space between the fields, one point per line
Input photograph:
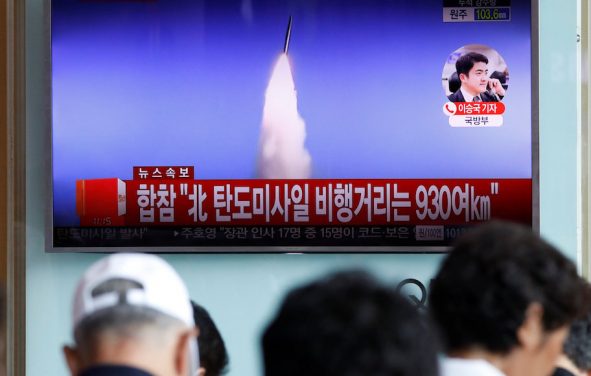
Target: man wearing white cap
x=132 y=316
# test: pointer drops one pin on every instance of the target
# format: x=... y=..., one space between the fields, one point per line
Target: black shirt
x=561 y=372
x=112 y=370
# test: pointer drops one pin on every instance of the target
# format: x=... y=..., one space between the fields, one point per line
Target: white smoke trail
x=282 y=154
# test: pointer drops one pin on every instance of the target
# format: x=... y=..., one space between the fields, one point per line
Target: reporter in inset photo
x=467 y=75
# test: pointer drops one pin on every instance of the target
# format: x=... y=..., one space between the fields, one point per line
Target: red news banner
x=170 y=196
x=480 y=108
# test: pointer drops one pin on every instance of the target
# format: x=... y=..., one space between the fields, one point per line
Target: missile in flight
x=287 y=36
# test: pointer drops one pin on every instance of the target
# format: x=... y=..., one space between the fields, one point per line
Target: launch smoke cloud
x=282 y=153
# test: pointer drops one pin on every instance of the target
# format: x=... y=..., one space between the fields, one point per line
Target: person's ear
x=182 y=358
x=530 y=334
x=72 y=359
x=201 y=371
x=463 y=77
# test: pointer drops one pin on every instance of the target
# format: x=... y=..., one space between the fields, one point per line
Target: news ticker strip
x=258 y=236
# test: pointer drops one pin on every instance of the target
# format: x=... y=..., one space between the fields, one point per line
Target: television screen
x=317 y=125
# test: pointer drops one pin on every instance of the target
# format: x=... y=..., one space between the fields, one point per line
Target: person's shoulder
x=562 y=372
x=486 y=97
x=456 y=97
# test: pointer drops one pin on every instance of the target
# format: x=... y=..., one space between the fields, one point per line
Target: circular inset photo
x=475 y=73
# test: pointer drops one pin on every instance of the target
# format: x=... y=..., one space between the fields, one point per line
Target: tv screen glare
x=276 y=126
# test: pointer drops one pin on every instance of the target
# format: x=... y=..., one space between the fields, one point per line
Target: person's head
x=577 y=347
x=504 y=292
x=347 y=324
x=133 y=310
x=212 y=350
x=473 y=72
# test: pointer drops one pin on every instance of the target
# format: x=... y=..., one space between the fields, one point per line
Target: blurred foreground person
x=575 y=359
x=348 y=325
x=213 y=357
x=132 y=316
x=503 y=300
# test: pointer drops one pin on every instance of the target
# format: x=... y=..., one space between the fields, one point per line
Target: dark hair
x=467 y=61
x=212 y=350
x=348 y=324
x=481 y=293
x=577 y=346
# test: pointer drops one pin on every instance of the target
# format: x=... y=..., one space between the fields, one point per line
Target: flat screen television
x=289 y=126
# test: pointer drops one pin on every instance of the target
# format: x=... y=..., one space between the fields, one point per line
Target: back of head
x=577 y=346
x=484 y=287
x=212 y=350
x=132 y=310
x=124 y=325
x=467 y=61
x=347 y=324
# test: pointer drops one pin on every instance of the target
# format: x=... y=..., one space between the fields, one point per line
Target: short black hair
x=348 y=324
x=577 y=346
x=484 y=287
x=467 y=61
x=212 y=350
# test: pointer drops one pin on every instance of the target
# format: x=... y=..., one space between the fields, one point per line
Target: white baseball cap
x=155 y=285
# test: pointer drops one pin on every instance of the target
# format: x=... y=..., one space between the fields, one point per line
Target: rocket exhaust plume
x=282 y=153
